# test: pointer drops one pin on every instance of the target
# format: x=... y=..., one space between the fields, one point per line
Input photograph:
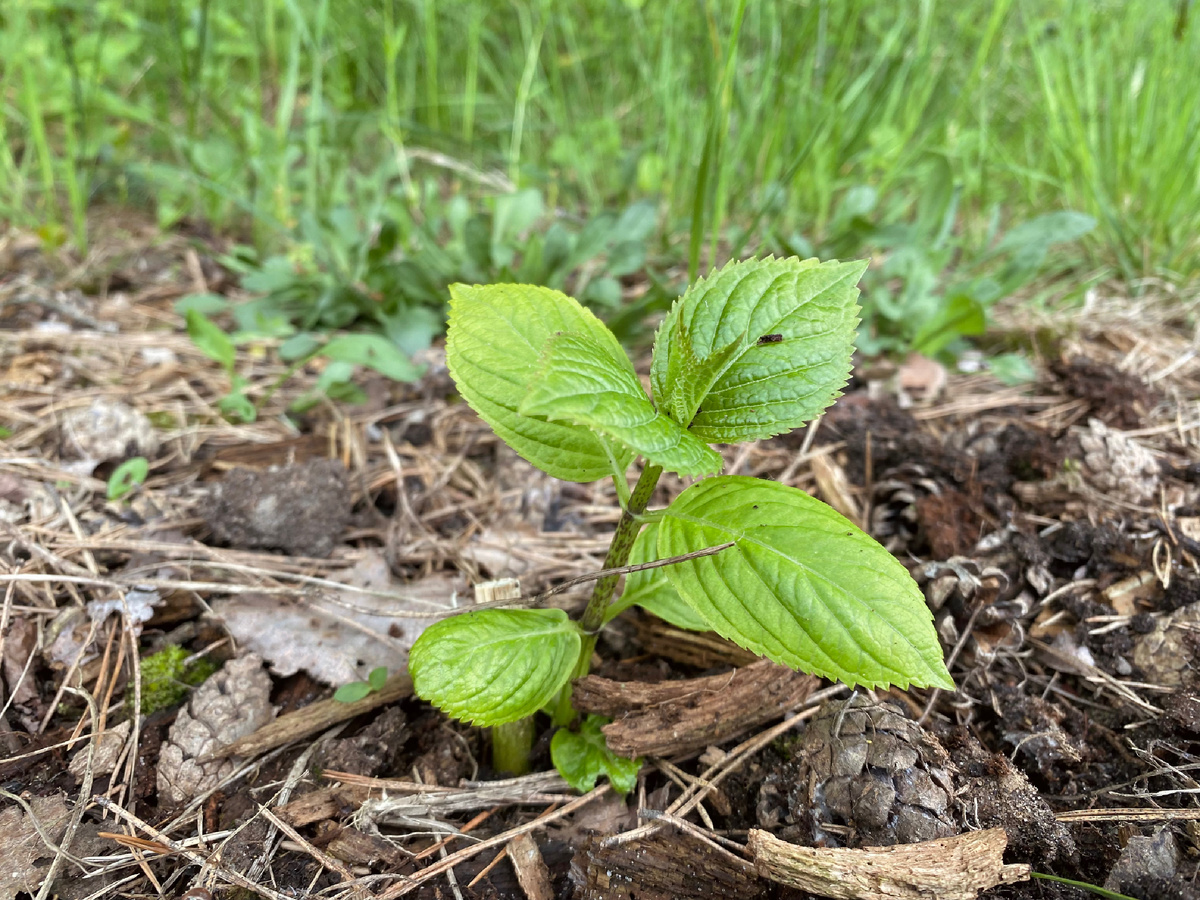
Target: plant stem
x=618 y=555
x=511 y=746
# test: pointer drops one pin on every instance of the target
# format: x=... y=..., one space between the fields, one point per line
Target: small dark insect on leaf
x=770 y=339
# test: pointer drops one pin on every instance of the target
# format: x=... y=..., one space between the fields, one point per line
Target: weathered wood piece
x=702 y=649
x=532 y=874
x=314 y=718
x=955 y=868
x=680 y=716
x=668 y=866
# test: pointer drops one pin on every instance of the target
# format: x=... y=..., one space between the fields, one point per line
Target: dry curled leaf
x=24 y=855
x=333 y=643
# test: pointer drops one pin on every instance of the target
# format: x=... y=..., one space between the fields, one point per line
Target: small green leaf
x=126 y=476
x=298 y=346
x=651 y=589
x=210 y=339
x=582 y=382
x=208 y=304
x=757 y=348
x=494 y=347
x=495 y=665
x=802 y=585
x=582 y=757
x=378 y=678
x=1012 y=369
x=352 y=692
x=960 y=314
x=373 y=351
x=236 y=405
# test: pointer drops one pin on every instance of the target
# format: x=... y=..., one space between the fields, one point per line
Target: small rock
x=108 y=431
x=1144 y=858
x=300 y=509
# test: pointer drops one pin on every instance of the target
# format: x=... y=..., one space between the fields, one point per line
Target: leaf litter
x=1050 y=527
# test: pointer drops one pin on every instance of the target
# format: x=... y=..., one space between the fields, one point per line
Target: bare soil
x=1054 y=528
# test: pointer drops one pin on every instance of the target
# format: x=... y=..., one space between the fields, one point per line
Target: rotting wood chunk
x=668 y=866
x=680 y=716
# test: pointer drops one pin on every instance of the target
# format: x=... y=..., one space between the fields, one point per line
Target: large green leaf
x=781 y=332
x=582 y=382
x=651 y=589
x=803 y=586
x=494 y=347
x=495 y=665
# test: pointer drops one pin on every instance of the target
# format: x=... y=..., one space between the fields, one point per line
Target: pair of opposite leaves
x=757 y=348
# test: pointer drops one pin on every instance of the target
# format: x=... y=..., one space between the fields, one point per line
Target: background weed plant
x=256 y=116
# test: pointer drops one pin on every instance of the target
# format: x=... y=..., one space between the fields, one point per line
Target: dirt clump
x=300 y=509
x=1114 y=397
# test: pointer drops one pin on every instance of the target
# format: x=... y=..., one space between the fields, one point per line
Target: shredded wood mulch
x=1054 y=528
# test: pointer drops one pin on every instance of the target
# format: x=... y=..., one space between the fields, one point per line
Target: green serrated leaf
x=786 y=330
x=352 y=692
x=581 y=757
x=378 y=678
x=495 y=665
x=210 y=339
x=803 y=586
x=581 y=381
x=494 y=347
x=651 y=589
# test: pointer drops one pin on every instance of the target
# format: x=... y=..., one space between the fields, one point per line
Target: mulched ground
x=1054 y=527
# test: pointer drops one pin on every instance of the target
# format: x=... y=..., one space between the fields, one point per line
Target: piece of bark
x=955 y=868
x=313 y=718
x=668 y=866
x=702 y=649
x=358 y=849
x=680 y=716
x=326 y=803
x=532 y=874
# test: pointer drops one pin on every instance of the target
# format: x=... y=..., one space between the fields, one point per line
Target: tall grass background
x=762 y=115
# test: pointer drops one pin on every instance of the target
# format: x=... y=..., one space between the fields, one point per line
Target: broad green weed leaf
x=582 y=382
x=651 y=589
x=373 y=351
x=803 y=586
x=787 y=327
x=495 y=665
x=210 y=339
x=494 y=347
x=583 y=756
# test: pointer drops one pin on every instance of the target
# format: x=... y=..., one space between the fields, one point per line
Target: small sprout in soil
x=127 y=476
x=756 y=349
x=357 y=690
x=169 y=676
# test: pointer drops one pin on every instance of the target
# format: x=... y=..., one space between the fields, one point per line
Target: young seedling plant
x=756 y=349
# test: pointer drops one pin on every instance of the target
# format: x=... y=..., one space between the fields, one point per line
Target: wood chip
x=532 y=873
x=704 y=650
x=668 y=866
x=680 y=716
x=314 y=718
x=955 y=868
